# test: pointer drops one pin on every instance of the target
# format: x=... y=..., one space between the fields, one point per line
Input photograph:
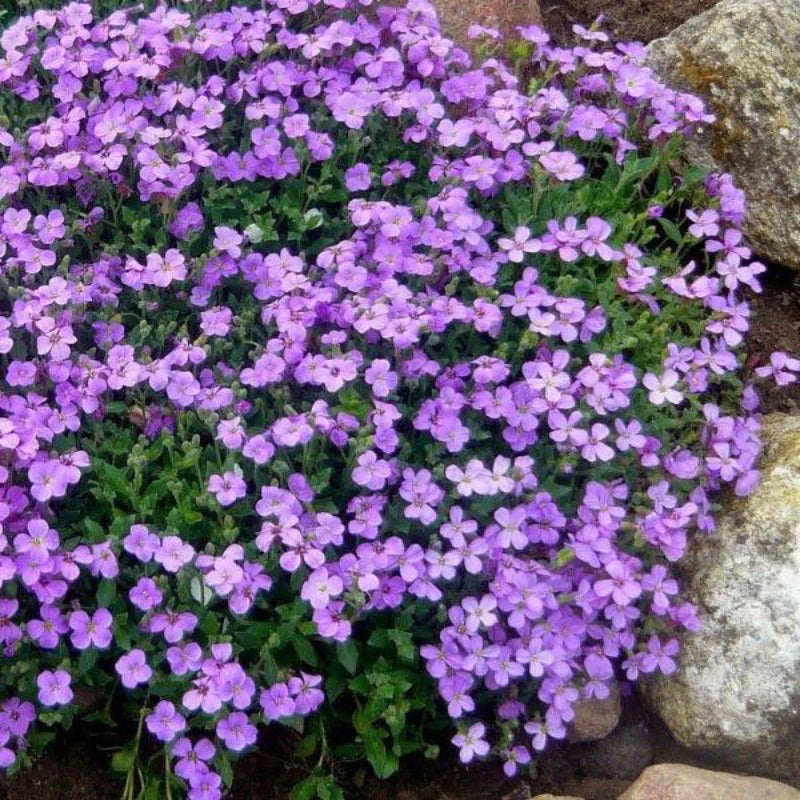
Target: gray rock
x=682 y=782
x=623 y=754
x=736 y=695
x=743 y=58
x=595 y=719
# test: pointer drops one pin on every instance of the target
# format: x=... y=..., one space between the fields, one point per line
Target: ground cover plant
x=348 y=384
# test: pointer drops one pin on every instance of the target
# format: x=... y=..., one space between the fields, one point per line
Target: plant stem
x=130 y=780
x=167 y=775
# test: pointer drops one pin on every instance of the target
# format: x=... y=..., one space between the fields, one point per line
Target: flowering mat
x=351 y=385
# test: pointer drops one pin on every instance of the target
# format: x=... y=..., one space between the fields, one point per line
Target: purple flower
x=371 y=472
x=236 y=731
x=216 y=321
x=228 y=487
x=357 y=178
x=133 y=669
x=471 y=743
x=620 y=586
x=188 y=220
x=94 y=631
x=562 y=165
x=595 y=448
x=164 y=722
x=173 y=553
x=276 y=702
x=16 y=716
x=661 y=389
x=306 y=692
x=659 y=656
x=192 y=758
x=145 y=594
x=54 y=687
x=207 y=786
x=227 y=240
x=46 y=632
x=48 y=479
x=320 y=587
x=513 y=758
x=781 y=369
x=174 y=625
x=661 y=586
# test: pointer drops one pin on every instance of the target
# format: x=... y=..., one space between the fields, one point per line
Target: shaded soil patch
x=72 y=769
x=639 y=20
x=775 y=325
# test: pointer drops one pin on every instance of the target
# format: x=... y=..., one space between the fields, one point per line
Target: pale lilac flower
x=54 y=687
x=164 y=722
x=471 y=743
x=662 y=389
x=133 y=669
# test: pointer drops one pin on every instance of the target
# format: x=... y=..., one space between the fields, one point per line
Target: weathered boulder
x=736 y=695
x=743 y=58
x=595 y=718
x=682 y=782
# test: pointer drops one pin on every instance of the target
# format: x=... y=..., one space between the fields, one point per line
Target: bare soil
x=627 y=20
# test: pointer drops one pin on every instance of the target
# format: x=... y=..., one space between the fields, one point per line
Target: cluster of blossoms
x=476 y=376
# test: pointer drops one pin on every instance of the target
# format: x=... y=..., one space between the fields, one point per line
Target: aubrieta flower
x=192 y=759
x=164 y=722
x=228 y=487
x=94 y=631
x=471 y=743
x=133 y=669
x=236 y=731
x=54 y=687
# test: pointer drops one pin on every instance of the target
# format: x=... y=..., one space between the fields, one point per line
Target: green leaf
x=153 y=790
x=328 y=790
x=383 y=762
x=306 y=746
x=564 y=556
x=97 y=532
x=320 y=480
x=121 y=632
x=87 y=659
x=38 y=740
x=123 y=759
x=404 y=643
x=106 y=592
x=347 y=653
x=224 y=768
x=210 y=625
x=121 y=525
x=305 y=650
x=113 y=478
x=671 y=229
x=305 y=790
x=102 y=716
